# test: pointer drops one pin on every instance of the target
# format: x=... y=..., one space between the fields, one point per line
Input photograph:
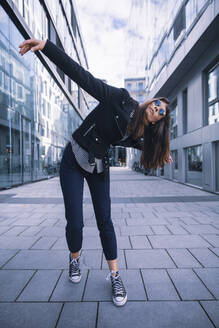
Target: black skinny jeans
x=72 y=184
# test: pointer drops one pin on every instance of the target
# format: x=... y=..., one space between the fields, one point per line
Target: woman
x=117 y=120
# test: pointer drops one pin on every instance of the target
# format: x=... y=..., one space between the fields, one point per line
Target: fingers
x=30 y=44
x=29 y=41
x=24 y=49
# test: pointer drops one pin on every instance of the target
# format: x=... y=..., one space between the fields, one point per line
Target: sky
x=112 y=34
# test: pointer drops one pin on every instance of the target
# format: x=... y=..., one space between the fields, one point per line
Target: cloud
x=104 y=25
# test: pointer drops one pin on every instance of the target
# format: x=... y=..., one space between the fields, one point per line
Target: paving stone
x=91 y=259
x=3 y=229
x=215 y=250
x=31 y=231
x=99 y=289
x=212 y=308
x=175 y=221
x=10 y=242
x=29 y=222
x=8 y=221
x=66 y=290
x=180 y=241
x=6 y=254
x=139 y=242
x=174 y=213
x=145 y=221
x=15 y=231
x=90 y=231
x=201 y=229
x=91 y=242
x=207 y=219
x=189 y=221
x=12 y=282
x=210 y=277
x=155 y=221
x=52 y=231
x=119 y=222
x=40 y=286
x=120 y=257
x=206 y=257
x=73 y=315
x=39 y=259
x=28 y=315
x=123 y=242
x=44 y=243
x=160 y=230
x=212 y=239
x=177 y=229
x=49 y=223
x=60 y=244
x=183 y=258
x=189 y=285
x=158 y=285
x=136 y=230
x=149 y=258
x=153 y=314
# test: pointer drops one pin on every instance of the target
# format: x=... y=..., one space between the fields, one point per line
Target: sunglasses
x=161 y=110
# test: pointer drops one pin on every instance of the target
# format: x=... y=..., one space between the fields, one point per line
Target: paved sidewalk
x=168 y=248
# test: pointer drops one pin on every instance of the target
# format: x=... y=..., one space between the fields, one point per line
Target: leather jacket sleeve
x=129 y=142
x=94 y=86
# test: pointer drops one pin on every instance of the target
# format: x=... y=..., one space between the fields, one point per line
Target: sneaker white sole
x=120 y=303
x=75 y=279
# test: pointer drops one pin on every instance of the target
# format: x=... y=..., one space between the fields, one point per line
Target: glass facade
x=174 y=122
x=166 y=32
x=217 y=166
x=36 y=118
x=213 y=95
x=194 y=159
x=175 y=163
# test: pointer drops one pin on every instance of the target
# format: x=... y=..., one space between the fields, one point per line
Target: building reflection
x=36 y=117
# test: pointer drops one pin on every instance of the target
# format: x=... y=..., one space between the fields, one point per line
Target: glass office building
x=183 y=65
x=40 y=106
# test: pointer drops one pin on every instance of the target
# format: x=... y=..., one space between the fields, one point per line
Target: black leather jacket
x=106 y=124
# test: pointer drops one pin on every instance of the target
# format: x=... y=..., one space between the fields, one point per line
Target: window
x=179 y=23
x=184 y=105
x=19 y=90
x=190 y=12
x=73 y=21
x=47 y=130
x=213 y=95
x=140 y=85
x=140 y=98
x=174 y=122
x=129 y=86
x=175 y=159
x=194 y=157
x=42 y=131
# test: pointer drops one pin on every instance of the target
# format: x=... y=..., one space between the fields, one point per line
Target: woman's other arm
x=94 y=86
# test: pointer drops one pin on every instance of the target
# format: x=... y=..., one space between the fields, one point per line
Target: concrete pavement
x=168 y=248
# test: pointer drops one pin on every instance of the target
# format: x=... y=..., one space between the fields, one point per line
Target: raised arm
x=94 y=86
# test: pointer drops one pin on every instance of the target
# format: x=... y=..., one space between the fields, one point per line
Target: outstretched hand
x=31 y=44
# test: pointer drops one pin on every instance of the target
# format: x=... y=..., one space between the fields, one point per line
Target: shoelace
x=74 y=265
x=117 y=285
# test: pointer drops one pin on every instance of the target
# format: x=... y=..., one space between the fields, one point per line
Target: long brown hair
x=156 y=137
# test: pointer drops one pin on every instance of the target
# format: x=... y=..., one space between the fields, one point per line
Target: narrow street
x=168 y=247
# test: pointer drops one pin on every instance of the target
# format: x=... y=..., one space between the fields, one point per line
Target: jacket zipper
x=88 y=130
x=118 y=126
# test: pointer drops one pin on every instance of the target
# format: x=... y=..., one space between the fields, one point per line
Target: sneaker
x=119 y=294
x=74 y=270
